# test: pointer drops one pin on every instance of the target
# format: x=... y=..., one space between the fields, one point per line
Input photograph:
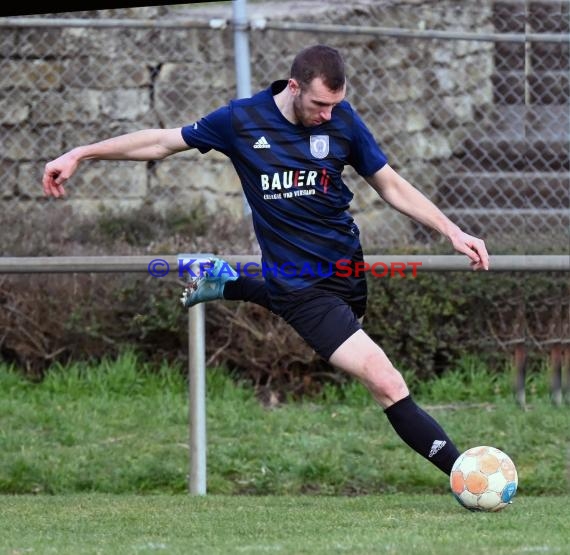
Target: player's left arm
x=405 y=198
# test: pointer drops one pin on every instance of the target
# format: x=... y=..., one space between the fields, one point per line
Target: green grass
x=121 y=428
x=94 y=460
x=221 y=525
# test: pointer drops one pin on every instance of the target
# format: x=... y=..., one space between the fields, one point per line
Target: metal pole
x=197 y=398
x=276 y=24
x=242 y=60
x=527 y=63
x=241 y=47
x=162 y=265
x=178 y=23
x=196 y=378
x=260 y=24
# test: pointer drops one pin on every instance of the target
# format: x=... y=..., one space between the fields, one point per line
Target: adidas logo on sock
x=436 y=446
x=262 y=143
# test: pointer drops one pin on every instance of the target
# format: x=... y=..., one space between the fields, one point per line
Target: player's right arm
x=147 y=144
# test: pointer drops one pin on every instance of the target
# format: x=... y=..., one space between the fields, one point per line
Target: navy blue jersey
x=292 y=178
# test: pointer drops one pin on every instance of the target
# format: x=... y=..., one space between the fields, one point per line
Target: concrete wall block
x=405 y=85
x=27 y=75
x=398 y=147
x=415 y=119
x=457 y=138
x=105 y=180
x=424 y=175
x=430 y=146
x=100 y=43
x=394 y=54
x=482 y=94
x=111 y=180
x=475 y=68
x=25 y=142
x=172 y=45
x=214 y=46
x=460 y=75
x=130 y=104
x=186 y=92
x=8 y=42
x=467 y=16
x=451 y=111
x=41 y=42
x=128 y=44
x=444 y=54
x=193 y=75
x=54 y=107
x=29 y=184
x=14 y=109
x=10 y=171
x=102 y=73
x=387 y=118
x=209 y=174
x=463 y=48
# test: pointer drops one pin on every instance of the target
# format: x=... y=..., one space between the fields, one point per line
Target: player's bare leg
x=366 y=361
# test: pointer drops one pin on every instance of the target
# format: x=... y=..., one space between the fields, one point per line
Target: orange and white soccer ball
x=484 y=478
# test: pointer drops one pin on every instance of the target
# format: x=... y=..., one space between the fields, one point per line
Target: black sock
x=247 y=289
x=422 y=433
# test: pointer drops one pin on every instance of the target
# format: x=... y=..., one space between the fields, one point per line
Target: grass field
x=313 y=525
x=95 y=460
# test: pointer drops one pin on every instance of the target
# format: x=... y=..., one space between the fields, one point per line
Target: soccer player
x=289 y=144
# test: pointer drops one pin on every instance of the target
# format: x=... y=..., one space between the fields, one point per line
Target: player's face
x=313 y=104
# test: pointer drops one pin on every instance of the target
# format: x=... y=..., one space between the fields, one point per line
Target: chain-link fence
x=475 y=113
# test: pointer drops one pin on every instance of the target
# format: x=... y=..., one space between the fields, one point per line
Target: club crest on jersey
x=319 y=146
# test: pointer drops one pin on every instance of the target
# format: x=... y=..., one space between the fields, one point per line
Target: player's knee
x=397 y=389
x=385 y=382
x=392 y=388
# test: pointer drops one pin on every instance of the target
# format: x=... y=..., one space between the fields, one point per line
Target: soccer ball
x=484 y=479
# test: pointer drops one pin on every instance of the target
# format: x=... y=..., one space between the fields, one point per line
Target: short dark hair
x=319 y=61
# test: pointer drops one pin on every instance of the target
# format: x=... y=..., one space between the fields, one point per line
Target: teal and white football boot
x=207 y=283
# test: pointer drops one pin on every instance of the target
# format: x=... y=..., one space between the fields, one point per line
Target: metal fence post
x=242 y=61
x=197 y=398
x=196 y=378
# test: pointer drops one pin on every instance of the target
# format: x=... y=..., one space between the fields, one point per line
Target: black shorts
x=325 y=315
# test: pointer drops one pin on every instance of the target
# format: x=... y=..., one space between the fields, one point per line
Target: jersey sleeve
x=211 y=132
x=366 y=156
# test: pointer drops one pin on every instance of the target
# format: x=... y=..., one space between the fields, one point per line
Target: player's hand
x=473 y=247
x=56 y=173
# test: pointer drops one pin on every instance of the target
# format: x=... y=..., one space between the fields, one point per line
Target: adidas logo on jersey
x=262 y=143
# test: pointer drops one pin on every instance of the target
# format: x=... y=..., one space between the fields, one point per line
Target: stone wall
x=67 y=86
